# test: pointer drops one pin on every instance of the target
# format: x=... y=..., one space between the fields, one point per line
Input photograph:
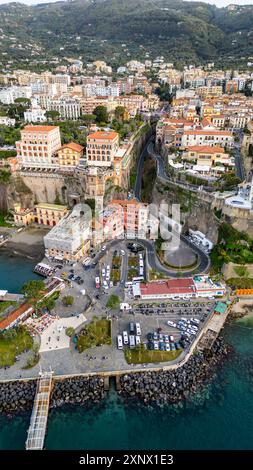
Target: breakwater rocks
x=17 y=396
x=176 y=385
x=77 y=390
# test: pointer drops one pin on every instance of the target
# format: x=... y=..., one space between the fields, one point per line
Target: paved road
x=240 y=172
x=162 y=173
x=140 y=166
x=153 y=260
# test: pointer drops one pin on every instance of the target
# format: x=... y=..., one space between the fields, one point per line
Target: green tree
x=101 y=114
x=241 y=271
x=5 y=176
x=68 y=300
x=70 y=331
x=52 y=115
x=33 y=291
x=119 y=113
x=88 y=119
x=113 y=302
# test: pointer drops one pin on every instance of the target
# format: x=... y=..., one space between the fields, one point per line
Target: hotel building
x=38 y=146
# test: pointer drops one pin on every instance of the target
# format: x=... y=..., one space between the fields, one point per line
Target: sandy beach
x=28 y=243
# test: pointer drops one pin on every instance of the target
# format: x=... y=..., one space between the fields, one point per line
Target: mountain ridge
x=178 y=30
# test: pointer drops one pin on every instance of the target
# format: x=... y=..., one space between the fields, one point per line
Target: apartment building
x=89 y=104
x=208 y=156
x=70 y=156
x=7 y=121
x=112 y=222
x=102 y=146
x=43 y=214
x=67 y=107
x=205 y=137
x=35 y=114
x=38 y=146
x=136 y=217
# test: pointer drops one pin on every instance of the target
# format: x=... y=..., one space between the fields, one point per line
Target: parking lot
x=153 y=318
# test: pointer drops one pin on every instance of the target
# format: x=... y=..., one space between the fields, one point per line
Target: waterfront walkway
x=38 y=423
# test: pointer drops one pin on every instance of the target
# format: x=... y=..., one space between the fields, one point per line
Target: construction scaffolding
x=38 y=422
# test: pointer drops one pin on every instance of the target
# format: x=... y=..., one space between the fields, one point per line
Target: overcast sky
x=219 y=3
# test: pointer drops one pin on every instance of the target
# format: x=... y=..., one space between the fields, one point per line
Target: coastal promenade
x=67 y=363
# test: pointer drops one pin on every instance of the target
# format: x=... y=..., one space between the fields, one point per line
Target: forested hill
x=96 y=29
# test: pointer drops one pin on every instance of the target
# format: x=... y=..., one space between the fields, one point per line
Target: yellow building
x=49 y=214
x=69 y=156
x=23 y=216
x=208 y=156
x=43 y=214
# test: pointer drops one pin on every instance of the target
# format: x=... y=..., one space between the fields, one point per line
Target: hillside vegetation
x=181 y=31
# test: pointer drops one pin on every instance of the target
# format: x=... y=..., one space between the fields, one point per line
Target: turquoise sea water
x=221 y=418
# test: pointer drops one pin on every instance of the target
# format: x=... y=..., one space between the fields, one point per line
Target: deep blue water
x=221 y=418
x=14 y=271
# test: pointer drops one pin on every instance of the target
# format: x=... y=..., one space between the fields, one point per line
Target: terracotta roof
x=208 y=132
x=205 y=149
x=110 y=135
x=73 y=146
x=39 y=128
x=170 y=286
x=5 y=322
x=126 y=202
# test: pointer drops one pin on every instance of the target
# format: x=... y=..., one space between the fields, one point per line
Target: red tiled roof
x=5 y=322
x=39 y=128
x=110 y=135
x=170 y=286
x=205 y=149
x=208 y=132
x=73 y=146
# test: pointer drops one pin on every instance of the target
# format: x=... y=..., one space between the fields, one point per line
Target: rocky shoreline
x=148 y=387
x=177 y=385
x=18 y=396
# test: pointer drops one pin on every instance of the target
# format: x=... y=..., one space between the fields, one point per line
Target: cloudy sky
x=219 y=3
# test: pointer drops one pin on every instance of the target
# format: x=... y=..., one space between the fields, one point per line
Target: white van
x=137 y=340
x=119 y=342
x=125 y=337
x=132 y=341
x=138 y=329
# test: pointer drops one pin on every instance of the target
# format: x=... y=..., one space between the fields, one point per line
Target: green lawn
x=133 y=261
x=95 y=333
x=132 y=273
x=3 y=223
x=4 y=305
x=12 y=343
x=116 y=261
x=115 y=275
x=145 y=356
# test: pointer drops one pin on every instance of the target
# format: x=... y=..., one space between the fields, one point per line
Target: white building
x=207 y=137
x=69 y=240
x=67 y=107
x=6 y=121
x=35 y=114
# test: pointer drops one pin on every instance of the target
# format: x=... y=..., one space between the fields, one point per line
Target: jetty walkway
x=38 y=423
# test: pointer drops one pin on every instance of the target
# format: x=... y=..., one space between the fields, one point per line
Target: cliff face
x=57 y=189
x=195 y=213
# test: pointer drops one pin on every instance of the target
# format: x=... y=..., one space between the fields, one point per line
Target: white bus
x=137 y=340
x=131 y=341
x=125 y=337
x=138 y=329
x=119 y=342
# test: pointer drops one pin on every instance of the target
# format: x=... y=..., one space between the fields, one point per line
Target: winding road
x=153 y=260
